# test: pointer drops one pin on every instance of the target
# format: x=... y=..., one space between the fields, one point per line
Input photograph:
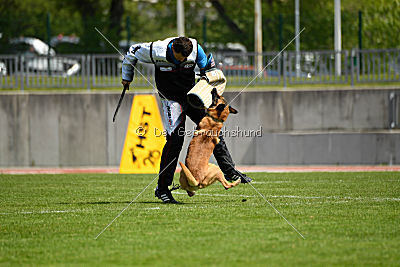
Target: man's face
x=178 y=56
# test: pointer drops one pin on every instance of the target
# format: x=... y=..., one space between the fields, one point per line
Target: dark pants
x=173 y=147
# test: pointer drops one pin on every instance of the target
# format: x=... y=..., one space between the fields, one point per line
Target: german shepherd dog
x=197 y=172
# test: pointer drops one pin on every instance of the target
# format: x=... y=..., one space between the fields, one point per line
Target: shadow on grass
x=94 y=203
x=135 y=202
x=122 y=202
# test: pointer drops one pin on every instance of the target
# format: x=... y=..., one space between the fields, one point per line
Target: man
x=174 y=60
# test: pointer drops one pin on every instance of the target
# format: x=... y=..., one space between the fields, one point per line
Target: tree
x=116 y=13
x=227 y=21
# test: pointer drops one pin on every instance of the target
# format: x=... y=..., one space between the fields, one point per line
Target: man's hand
x=125 y=83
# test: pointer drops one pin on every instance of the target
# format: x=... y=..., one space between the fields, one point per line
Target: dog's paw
x=233 y=184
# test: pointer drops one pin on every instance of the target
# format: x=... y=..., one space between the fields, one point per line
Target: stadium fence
x=285 y=69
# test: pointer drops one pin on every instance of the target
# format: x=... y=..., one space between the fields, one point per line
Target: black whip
x=126 y=87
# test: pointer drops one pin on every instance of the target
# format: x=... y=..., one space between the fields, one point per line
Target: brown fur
x=197 y=172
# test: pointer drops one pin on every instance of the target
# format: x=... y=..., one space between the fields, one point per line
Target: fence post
x=280 y=32
x=87 y=62
x=284 y=69
x=21 y=73
x=358 y=65
x=93 y=70
x=48 y=43
x=352 y=57
x=128 y=31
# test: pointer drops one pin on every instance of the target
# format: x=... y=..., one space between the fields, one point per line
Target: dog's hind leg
x=190 y=178
x=185 y=185
x=183 y=181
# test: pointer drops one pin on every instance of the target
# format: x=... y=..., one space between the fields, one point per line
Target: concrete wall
x=349 y=110
x=298 y=127
x=319 y=148
x=61 y=129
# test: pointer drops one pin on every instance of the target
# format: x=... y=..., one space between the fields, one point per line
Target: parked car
x=229 y=54
x=39 y=57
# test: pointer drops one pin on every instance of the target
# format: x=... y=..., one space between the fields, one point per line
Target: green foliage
x=151 y=21
x=382 y=22
x=157 y=20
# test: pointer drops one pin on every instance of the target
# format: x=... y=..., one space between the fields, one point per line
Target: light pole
x=297 y=29
x=258 y=35
x=338 y=39
x=180 y=13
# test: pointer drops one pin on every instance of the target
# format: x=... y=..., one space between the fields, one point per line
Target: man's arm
x=204 y=62
x=137 y=52
x=201 y=59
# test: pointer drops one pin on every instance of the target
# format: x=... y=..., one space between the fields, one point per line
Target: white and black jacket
x=173 y=80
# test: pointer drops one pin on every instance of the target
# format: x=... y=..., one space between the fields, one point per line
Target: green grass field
x=77 y=83
x=346 y=218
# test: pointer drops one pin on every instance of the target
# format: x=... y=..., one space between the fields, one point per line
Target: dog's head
x=220 y=110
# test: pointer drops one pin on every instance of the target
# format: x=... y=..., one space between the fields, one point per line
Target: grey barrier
x=288 y=68
x=290 y=127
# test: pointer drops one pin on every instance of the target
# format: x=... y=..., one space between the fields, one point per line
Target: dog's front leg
x=215 y=173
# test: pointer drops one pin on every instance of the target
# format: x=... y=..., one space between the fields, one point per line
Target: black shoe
x=236 y=175
x=165 y=196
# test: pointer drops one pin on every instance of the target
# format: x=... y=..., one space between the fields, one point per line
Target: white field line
x=338 y=198
x=212 y=195
x=155 y=208
x=133 y=200
x=39 y=212
x=301 y=197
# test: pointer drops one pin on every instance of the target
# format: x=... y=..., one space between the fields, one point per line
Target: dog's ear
x=232 y=110
x=214 y=96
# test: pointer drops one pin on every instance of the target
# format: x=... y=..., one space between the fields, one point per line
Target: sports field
x=346 y=218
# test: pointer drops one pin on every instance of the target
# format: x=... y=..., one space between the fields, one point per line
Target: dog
x=197 y=172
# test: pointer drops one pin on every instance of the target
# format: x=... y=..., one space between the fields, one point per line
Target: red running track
x=255 y=168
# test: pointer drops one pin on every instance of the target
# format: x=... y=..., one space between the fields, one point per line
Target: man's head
x=182 y=47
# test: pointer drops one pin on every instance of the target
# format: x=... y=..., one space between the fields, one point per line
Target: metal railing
x=289 y=68
x=9 y=72
x=316 y=67
x=106 y=72
x=377 y=65
x=54 y=72
x=239 y=68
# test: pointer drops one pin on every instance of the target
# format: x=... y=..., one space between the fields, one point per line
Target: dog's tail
x=190 y=178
